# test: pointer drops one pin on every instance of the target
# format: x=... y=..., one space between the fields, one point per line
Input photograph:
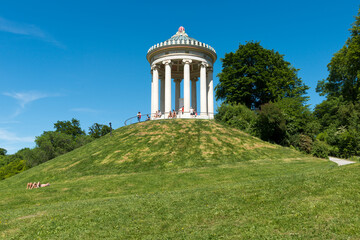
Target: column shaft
x=203 y=92
x=155 y=90
x=177 y=93
x=210 y=94
x=193 y=94
x=152 y=94
x=187 y=86
x=162 y=96
x=167 y=86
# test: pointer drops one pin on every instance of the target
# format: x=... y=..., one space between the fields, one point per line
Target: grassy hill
x=182 y=179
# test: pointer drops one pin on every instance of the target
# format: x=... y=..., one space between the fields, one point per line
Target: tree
x=344 y=69
x=98 y=130
x=339 y=114
x=3 y=151
x=69 y=127
x=55 y=143
x=254 y=76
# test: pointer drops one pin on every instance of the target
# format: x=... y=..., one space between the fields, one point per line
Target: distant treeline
x=67 y=136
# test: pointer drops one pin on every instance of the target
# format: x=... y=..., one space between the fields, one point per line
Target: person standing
x=139 y=116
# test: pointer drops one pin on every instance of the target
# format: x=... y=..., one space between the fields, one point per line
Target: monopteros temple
x=182 y=59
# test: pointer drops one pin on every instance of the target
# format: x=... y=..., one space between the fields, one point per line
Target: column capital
x=187 y=61
x=203 y=64
x=194 y=79
x=154 y=67
x=177 y=80
x=166 y=62
x=209 y=69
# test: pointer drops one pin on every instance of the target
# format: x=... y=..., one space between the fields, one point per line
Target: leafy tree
x=98 y=130
x=3 y=151
x=55 y=143
x=69 y=127
x=344 y=69
x=254 y=75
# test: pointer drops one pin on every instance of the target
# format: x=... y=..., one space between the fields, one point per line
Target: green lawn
x=182 y=179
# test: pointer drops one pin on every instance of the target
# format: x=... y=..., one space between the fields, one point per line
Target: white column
x=162 y=95
x=152 y=94
x=203 y=92
x=187 y=86
x=210 y=94
x=155 y=90
x=193 y=93
x=167 y=87
x=177 y=93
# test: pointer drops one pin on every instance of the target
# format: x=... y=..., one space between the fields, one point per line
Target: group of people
x=157 y=114
x=31 y=185
x=173 y=113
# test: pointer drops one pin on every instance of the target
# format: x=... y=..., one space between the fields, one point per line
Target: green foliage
x=254 y=75
x=3 y=151
x=271 y=124
x=320 y=149
x=69 y=127
x=301 y=142
x=98 y=130
x=344 y=69
x=237 y=116
x=299 y=119
x=14 y=167
x=339 y=114
x=55 y=143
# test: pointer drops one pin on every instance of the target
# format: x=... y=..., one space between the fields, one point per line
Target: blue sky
x=87 y=59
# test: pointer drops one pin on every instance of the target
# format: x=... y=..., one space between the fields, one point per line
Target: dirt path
x=340 y=162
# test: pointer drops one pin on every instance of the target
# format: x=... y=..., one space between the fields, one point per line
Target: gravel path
x=339 y=161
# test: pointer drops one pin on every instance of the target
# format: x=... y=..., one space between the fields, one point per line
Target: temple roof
x=181 y=35
x=181 y=38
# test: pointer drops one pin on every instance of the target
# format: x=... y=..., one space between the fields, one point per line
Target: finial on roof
x=181 y=29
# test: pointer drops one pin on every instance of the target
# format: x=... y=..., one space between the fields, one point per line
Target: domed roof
x=181 y=38
x=181 y=35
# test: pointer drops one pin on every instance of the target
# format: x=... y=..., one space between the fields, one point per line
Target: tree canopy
x=3 y=151
x=69 y=127
x=254 y=76
x=344 y=69
x=339 y=114
x=98 y=130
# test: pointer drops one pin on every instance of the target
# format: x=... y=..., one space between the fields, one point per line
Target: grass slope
x=182 y=179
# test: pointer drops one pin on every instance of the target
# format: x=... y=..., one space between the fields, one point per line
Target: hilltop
x=181 y=179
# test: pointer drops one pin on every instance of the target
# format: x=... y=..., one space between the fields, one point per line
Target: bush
x=271 y=124
x=320 y=149
x=12 y=168
x=238 y=116
x=301 y=142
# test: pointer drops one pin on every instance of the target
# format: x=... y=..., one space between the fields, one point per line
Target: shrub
x=320 y=149
x=237 y=116
x=271 y=124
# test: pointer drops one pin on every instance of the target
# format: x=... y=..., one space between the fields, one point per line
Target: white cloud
x=28 y=30
x=26 y=97
x=12 y=143
x=11 y=137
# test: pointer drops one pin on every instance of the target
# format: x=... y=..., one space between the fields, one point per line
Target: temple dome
x=181 y=40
